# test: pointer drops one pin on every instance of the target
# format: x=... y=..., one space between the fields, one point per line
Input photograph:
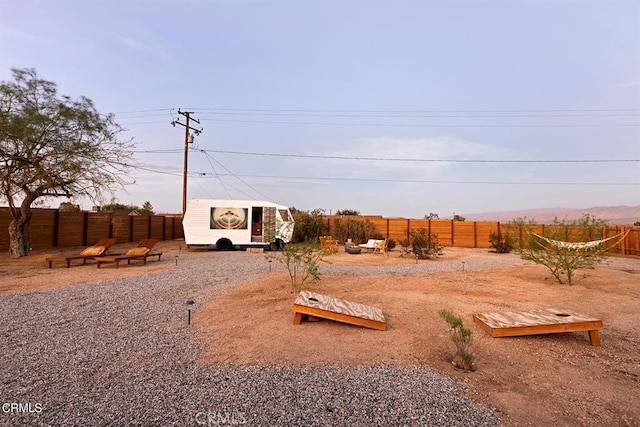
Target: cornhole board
x=549 y=321
x=323 y=306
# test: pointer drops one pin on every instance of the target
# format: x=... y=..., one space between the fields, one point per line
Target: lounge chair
x=100 y=248
x=382 y=246
x=141 y=252
x=373 y=244
x=328 y=244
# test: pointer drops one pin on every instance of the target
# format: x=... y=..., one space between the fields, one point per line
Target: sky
x=394 y=108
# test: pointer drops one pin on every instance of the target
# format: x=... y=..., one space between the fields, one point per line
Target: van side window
x=284 y=214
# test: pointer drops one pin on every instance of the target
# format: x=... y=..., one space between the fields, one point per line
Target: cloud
x=437 y=149
x=13 y=34
x=632 y=83
x=137 y=46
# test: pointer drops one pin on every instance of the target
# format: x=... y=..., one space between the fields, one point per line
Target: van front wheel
x=278 y=245
x=224 y=245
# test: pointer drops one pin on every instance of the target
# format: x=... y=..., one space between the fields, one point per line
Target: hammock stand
x=580 y=245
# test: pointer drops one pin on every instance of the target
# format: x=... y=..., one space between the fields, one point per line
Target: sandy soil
x=557 y=379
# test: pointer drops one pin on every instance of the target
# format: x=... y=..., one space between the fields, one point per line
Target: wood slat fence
x=51 y=228
x=471 y=234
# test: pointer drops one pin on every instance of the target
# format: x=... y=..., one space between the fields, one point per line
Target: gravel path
x=120 y=353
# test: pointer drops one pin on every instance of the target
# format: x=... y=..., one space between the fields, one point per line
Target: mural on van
x=229 y=218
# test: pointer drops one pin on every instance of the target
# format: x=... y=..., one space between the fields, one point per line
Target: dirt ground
x=556 y=379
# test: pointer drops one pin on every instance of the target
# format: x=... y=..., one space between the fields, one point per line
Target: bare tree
x=54 y=146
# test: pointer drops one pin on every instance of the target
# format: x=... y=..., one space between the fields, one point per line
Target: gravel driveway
x=120 y=352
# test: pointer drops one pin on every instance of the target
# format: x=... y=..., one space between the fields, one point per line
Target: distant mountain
x=626 y=215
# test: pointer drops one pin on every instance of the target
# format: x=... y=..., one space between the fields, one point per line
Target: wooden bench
x=117 y=259
x=101 y=245
x=549 y=321
x=322 y=306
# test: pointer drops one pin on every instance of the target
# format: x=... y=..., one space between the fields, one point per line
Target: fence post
x=173 y=228
x=475 y=234
x=56 y=227
x=453 y=240
x=408 y=230
x=131 y=228
x=85 y=228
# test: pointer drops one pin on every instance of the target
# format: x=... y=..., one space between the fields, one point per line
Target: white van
x=237 y=223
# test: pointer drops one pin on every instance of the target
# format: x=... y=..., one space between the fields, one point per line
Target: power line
x=437 y=181
x=421 y=125
x=311 y=156
x=425 y=115
x=309 y=178
x=553 y=110
x=169 y=110
x=219 y=177
x=237 y=176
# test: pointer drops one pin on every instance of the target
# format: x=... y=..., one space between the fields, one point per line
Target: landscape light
x=189 y=304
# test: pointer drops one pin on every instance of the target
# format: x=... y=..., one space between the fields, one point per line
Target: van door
x=256 y=224
x=269 y=225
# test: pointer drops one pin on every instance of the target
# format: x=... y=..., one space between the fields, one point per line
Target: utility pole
x=188 y=139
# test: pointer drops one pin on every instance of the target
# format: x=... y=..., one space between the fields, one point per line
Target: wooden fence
x=471 y=234
x=52 y=228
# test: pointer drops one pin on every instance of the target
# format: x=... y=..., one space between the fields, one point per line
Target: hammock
x=580 y=245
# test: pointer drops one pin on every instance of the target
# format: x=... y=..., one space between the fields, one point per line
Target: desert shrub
x=308 y=225
x=563 y=260
x=462 y=337
x=424 y=245
x=503 y=243
x=391 y=244
x=358 y=230
x=302 y=263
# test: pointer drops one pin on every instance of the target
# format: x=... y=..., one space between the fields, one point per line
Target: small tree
x=432 y=215
x=347 y=212
x=462 y=337
x=115 y=205
x=53 y=146
x=458 y=218
x=69 y=207
x=147 y=209
x=564 y=259
x=302 y=263
x=423 y=245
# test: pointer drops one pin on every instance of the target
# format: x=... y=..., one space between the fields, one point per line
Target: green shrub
x=302 y=262
x=503 y=243
x=424 y=245
x=308 y=225
x=462 y=337
x=358 y=230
